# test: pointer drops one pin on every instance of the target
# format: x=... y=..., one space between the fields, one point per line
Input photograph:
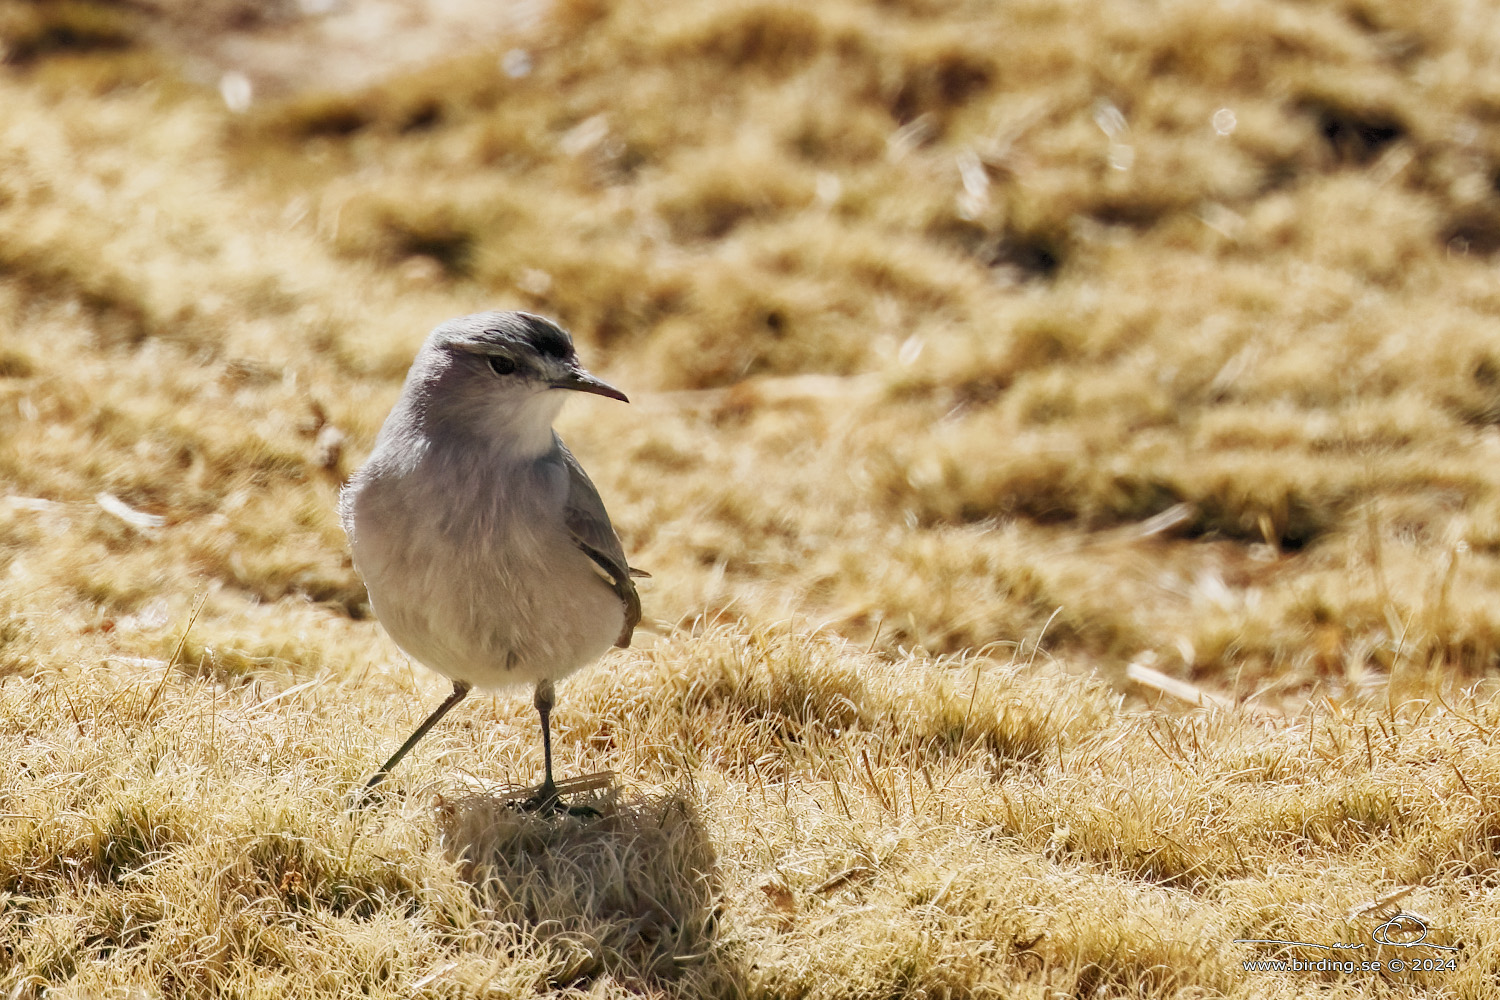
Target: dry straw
x=1065 y=455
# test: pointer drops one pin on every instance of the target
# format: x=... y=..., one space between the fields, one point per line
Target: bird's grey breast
x=465 y=508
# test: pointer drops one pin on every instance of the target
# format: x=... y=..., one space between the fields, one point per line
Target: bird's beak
x=581 y=381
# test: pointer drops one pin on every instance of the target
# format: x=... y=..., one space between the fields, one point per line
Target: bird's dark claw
x=546 y=799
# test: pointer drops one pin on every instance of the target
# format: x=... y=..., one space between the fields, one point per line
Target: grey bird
x=486 y=550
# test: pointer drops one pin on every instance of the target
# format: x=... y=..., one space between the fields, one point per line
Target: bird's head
x=498 y=375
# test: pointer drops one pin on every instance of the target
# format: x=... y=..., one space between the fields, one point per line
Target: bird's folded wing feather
x=588 y=522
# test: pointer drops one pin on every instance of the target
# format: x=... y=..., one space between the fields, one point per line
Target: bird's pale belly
x=484 y=614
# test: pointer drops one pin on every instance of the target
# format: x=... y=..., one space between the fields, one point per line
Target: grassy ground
x=1064 y=445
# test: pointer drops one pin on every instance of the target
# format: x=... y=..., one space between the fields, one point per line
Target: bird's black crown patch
x=549 y=340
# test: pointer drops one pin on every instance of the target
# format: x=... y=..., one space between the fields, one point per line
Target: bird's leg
x=546 y=795
x=460 y=689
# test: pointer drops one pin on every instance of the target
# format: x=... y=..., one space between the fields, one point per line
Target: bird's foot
x=538 y=803
x=547 y=797
x=365 y=795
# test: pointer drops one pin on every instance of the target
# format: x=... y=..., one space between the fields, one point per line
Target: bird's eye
x=501 y=365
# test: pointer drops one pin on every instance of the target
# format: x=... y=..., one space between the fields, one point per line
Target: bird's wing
x=588 y=523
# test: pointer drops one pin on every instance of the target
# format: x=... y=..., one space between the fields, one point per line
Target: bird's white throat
x=523 y=430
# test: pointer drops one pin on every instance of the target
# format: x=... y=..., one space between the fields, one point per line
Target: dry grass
x=979 y=354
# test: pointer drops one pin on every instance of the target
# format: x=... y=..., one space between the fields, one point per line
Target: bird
x=487 y=552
